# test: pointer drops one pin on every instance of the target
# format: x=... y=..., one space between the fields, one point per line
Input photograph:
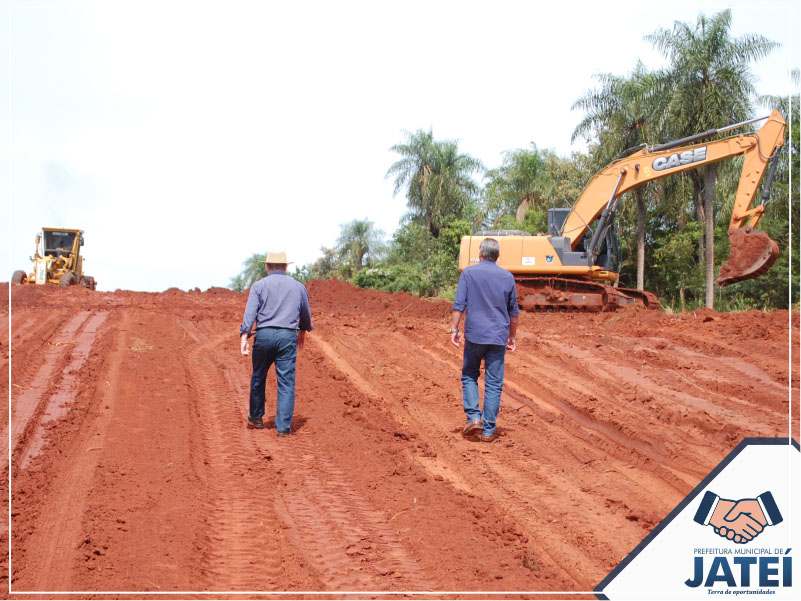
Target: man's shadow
x=297 y=423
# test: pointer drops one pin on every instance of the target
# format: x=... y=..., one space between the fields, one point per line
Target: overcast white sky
x=185 y=136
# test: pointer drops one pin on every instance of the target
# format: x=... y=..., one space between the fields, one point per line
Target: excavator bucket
x=752 y=254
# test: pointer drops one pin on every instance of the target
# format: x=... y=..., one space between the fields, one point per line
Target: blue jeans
x=279 y=346
x=493 y=356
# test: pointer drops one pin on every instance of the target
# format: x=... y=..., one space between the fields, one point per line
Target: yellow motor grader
x=57 y=260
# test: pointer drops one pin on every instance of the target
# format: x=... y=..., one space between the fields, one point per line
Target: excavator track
x=566 y=294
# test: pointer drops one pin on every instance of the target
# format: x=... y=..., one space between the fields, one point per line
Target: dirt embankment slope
x=132 y=468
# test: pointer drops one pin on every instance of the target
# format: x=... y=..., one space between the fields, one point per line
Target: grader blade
x=752 y=253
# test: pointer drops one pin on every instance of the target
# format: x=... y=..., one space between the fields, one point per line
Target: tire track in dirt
x=681 y=401
x=345 y=542
x=664 y=456
x=31 y=400
x=702 y=372
x=141 y=524
x=29 y=340
x=235 y=484
x=377 y=489
x=581 y=433
x=532 y=393
x=617 y=441
x=53 y=546
x=64 y=395
x=471 y=471
x=740 y=370
x=630 y=396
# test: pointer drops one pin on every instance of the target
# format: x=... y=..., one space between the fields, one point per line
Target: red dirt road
x=132 y=469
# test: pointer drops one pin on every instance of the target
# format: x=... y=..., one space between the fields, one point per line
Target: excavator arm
x=752 y=252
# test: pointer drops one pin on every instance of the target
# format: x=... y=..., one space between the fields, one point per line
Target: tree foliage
x=781 y=217
x=519 y=179
x=418 y=262
x=359 y=245
x=671 y=229
x=621 y=115
x=253 y=270
x=436 y=177
x=707 y=84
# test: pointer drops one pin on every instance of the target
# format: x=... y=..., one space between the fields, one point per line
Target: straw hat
x=277 y=257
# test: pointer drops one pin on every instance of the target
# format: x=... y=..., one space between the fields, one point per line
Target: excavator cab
x=608 y=256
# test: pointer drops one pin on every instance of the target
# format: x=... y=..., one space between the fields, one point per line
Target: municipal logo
x=740 y=521
x=733 y=535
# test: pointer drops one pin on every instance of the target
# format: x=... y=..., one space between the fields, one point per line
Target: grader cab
x=57 y=260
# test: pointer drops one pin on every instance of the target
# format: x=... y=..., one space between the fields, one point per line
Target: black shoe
x=283 y=433
x=255 y=423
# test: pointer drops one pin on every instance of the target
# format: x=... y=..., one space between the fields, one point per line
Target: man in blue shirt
x=279 y=306
x=489 y=295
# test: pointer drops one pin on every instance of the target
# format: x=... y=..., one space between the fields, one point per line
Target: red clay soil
x=752 y=253
x=132 y=468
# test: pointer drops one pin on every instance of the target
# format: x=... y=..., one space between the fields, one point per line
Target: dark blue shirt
x=278 y=301
x=489 y=295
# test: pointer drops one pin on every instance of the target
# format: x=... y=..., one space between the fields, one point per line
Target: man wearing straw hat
x=279 y=306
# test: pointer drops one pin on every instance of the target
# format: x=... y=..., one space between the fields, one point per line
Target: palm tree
x=413 y=170
x=709 y=85
x=620 y=115
x=515 y=182
x=359 y=240
x=254 y=270
x=437 y=178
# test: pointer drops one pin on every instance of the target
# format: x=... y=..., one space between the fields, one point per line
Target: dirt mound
x=132 y=468
x=227 y=292
x=342 y=298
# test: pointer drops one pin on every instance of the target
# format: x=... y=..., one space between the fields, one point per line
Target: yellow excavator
x=57 y=260
x=573 y=266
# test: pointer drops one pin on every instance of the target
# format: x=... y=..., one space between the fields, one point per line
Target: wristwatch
x=454 y=331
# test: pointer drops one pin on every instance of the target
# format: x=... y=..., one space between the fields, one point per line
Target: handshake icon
x=738 y=521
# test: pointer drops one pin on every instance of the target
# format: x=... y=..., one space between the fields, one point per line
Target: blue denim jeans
x=279 y=346
x=493 y=356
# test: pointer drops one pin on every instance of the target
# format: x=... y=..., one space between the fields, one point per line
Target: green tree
x=534 y=180
x=436 y=177
x=620 y=115
x=564 y=178
x=253 y=270
x=516 y=181
x=359 y=244
x=707 y=84
x=324 y=268
x=419 y=263
x=780 y=288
